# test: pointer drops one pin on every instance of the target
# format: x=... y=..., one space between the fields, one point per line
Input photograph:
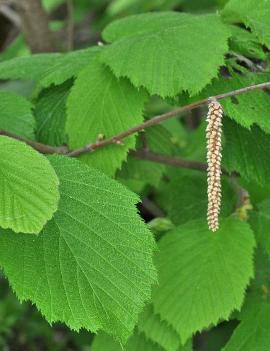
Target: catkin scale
x=213 y=136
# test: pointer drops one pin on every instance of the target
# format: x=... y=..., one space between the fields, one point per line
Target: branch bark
x=35 y=25
x=168 y=160
x=116 y=139
x=142 y=154
x=42 y=148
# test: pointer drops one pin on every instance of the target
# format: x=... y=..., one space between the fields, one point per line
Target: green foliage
x=252 y=333
x=76 y=271
x=255 y=14
x=50 y=113
x=187 y=200
x=261 y=225
x=47 y=69
x=138 y=173
x=158 y=331
x=136 y=342
x=29 y=188
x=200 y=282
x=246 y=109
x=246 y=43
x=244 y=154
x=16 y=115
x=91 y=268
x=171 y=65
x=101 y=106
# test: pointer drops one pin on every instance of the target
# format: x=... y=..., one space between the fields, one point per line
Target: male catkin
x=213 y=136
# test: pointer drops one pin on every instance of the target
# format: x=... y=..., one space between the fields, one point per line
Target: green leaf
x=47 y=69
x=50 y=113
x=16 y=115
x=246 y=43
x=91 y=267
x=166 y=52
x=136 y=342
x=255 y=14
x=100 y=104
x=261 y=224
x=253 y=331
x=260 y=285
x=246 y=109
x=158 y=331
x=142 y=172
x=186 y=197
x=244 y=154
x=200 y=279
x=104 y=342
x=29 y=188
x=139 y=173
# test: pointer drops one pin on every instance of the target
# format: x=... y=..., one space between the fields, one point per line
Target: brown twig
x=116 y=139
x=143 y=154
x=42 y=148
x=174 y=161
x=168 y=160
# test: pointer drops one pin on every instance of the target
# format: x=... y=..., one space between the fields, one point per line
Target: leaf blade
x=91 y=267
x=29 y=188
x=16 y=115
x=159 y=37
x=99 y=104
x=197 y=290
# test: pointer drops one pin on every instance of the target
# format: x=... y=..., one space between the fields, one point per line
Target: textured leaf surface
x=261 y=225
x=16 y=115
x=50 y=113
x=91 y=267
x=246 y=109
x=255 y=14
x=247 y=152
x=136 y=342
x=200 y=279
x=29 y=187
x=187 y=198
x=253 y=331
x=100 y=104
x=246 y=43
x=158 y=331
x=47 y=68
x=166 y=52
x=141 y=172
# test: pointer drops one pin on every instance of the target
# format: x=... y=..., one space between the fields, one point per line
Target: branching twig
x=116 y=139
x=250 y=64
x=168 y=160
x=175 y=161
x=42 y=148
x=142 y=154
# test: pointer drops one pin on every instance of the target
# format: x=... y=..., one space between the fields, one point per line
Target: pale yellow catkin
x=213 y=136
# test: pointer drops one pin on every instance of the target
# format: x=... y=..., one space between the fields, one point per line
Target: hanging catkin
x=213 y=136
